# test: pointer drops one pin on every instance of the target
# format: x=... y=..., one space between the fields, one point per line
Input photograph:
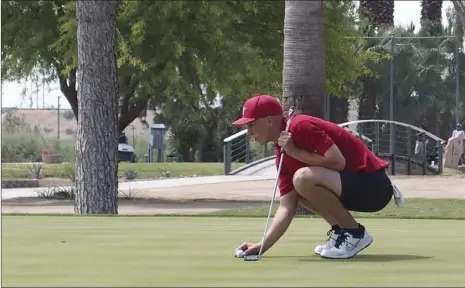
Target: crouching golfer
x=326 y=169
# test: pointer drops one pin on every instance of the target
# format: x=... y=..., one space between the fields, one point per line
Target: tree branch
x=129 y=112
x=133 y=112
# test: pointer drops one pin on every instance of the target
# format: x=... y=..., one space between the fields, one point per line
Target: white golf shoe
x=346 y=246
x=398 y=197
x=332 y=237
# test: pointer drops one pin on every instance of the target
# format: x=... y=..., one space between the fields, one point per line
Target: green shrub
x=27 y=148
x=21 y=148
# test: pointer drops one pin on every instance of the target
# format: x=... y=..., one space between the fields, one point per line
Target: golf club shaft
x=291 y=114
x=271 y=206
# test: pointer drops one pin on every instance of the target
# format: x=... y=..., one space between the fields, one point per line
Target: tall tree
x=216 y=38
x=459 y=6
x=431 y=16
x=304 y=67
x=431 y=10
x=97 y=136
x=377 y=15
x=304 y=58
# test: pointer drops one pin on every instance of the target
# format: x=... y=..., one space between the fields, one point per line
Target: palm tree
x=431 y=10
x=377 y=12
x=431 y=16
x=304 y=77
x=378 y=15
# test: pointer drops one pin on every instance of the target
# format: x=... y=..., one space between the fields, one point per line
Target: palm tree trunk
x=97 y=135
x=304 y=77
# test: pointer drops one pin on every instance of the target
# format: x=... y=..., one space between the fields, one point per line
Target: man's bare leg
x=307 y=204
x=332 y=234
x=322 y=188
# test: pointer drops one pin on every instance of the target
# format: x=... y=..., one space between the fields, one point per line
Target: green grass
x=145 y=170
x=416 y=208
x=185 y=251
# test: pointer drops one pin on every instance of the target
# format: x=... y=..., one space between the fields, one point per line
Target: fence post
x=457 y=81
x=227 y=157
x=393 y=149
x=377 y=138
x=391 y=95
x=360 y=133
x=425 y=161
x=247 y=150
x=440 y=154
x=409 y=150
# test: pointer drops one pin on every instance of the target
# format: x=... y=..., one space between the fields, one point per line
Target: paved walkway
x=204 y=194
x=144 y=184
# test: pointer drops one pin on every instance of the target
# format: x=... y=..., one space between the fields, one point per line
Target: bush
x=28 y=148
x=130 y=174
x=21 y=148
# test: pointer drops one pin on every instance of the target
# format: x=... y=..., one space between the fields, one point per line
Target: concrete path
x=144 y=184
x=265 y=168
x=206 y=195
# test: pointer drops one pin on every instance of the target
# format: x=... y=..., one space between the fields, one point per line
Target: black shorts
x=365 y=192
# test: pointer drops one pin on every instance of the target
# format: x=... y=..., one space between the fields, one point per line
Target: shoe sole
x=325 y=257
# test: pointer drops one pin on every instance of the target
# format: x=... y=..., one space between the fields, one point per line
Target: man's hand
x=250 y=248
x=285 y=142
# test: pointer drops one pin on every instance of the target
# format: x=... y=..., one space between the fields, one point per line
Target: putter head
x=252 y=258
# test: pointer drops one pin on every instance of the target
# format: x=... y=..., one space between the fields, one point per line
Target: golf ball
x=240 y=253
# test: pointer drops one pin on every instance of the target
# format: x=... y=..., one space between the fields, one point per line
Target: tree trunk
x=460 y=10
x=304 y=78
x=97 y=135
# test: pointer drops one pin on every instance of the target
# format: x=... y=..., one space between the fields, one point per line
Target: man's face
x=260 y=130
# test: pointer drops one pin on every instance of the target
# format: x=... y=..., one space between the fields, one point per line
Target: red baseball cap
x=258 y=107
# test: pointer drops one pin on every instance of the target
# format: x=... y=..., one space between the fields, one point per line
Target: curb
x=29 y=183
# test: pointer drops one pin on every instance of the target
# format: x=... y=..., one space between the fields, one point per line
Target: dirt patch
x=52 y=182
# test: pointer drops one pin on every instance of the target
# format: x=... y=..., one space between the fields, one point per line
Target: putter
x=259 y=256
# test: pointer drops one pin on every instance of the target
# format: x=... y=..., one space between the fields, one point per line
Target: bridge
x=392 y=141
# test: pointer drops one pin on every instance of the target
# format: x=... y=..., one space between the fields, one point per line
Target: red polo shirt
x=317 y=135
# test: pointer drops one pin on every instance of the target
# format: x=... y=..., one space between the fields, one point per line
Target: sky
x=405 y=12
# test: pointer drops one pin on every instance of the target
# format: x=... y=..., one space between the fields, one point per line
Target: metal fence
x=414 y=150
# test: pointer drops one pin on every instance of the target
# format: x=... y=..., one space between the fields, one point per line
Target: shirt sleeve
x=311 y=138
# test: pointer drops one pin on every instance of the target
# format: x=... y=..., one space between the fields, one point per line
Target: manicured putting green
x=182 y=251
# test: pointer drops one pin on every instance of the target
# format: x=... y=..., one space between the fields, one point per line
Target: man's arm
x=282 y=219
x=332 y=159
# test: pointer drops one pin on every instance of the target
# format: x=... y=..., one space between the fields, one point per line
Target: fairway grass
x=187 y=251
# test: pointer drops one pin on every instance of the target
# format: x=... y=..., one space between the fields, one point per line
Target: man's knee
x=305 y=177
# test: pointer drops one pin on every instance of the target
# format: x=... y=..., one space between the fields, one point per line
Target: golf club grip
x=288 y=124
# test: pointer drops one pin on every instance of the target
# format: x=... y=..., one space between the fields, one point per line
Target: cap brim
x=243 y=121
